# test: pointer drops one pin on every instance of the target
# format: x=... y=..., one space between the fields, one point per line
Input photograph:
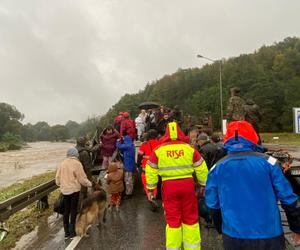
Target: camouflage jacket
x=86 y=160
x=235 y=109
x=252 y=113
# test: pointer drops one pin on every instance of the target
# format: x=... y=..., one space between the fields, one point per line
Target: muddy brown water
x=36 y=158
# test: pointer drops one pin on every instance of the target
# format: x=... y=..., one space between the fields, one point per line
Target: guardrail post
x=43 y=203
x=18 y=202
x=3 y=231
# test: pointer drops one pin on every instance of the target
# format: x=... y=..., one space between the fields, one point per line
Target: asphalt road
x=135 y=227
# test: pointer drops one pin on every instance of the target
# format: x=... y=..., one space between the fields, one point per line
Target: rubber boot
x=72 y=230
x=67 y=231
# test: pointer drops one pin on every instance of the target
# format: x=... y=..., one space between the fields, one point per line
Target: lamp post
x=220 y=86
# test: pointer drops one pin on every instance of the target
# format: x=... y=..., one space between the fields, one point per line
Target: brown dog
x=93 y=207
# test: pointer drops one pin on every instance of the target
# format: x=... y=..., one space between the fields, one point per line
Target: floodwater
x=34 y=159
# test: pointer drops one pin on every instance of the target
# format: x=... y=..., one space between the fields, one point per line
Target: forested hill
x=270 y=76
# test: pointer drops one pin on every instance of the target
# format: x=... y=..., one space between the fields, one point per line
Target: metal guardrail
x=17 y=203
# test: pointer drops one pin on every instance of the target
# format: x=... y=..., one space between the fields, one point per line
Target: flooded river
x=36 y=158
x=40 y=157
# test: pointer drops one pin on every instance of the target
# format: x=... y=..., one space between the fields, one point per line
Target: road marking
x=73 y=243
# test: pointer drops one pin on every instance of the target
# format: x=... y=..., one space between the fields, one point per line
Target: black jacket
x=211 y=153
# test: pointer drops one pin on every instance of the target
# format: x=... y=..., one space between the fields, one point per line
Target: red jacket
x=146 y=150
x=128 y=126
x=109 y=142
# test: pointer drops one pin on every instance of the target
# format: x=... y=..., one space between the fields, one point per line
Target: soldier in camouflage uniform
x=176 y=116
x=86 y=161
x=252 y=114
x=235 y=109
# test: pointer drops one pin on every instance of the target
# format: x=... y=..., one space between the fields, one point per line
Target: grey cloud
x=62 y=60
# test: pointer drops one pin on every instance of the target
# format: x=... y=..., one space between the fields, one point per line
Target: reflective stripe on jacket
x=175 y=160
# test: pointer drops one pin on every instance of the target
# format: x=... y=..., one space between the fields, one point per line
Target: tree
x=13 y=126
x=29 y=133
x=9 y=117
x=58 y=133
x=270 y=76
x=72 y=128
x=43 y=131
x=12 y=141
x=89 y=127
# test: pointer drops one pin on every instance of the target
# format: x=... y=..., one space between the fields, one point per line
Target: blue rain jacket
x=246 y=186
x=128 y=150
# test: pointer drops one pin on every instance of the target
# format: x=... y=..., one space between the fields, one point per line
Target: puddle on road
x=26 y=239
x=41 y=232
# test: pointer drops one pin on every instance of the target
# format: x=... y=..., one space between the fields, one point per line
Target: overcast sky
x=66 y=60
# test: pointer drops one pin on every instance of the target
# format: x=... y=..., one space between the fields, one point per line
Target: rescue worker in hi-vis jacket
x=176 y=161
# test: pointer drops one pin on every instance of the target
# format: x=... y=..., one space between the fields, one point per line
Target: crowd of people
x=235 y=184
x=146 y=120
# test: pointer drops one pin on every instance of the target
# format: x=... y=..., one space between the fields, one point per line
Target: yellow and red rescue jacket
x=175 y=159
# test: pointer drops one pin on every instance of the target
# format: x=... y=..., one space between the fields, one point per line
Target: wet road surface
x=135 y=227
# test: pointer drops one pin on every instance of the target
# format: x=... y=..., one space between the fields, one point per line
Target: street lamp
x=221 y=95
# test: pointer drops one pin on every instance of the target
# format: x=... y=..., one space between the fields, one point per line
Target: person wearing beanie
x=69 y=177
x=72 y=152
x=243 y=190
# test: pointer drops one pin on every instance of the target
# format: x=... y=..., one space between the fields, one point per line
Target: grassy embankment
x=26 y=220
x=283 y=138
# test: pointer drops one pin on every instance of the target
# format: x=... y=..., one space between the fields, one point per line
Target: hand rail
x=20 y=201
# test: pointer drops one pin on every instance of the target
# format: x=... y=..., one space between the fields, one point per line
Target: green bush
x=3 y=147
x=14 y=142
